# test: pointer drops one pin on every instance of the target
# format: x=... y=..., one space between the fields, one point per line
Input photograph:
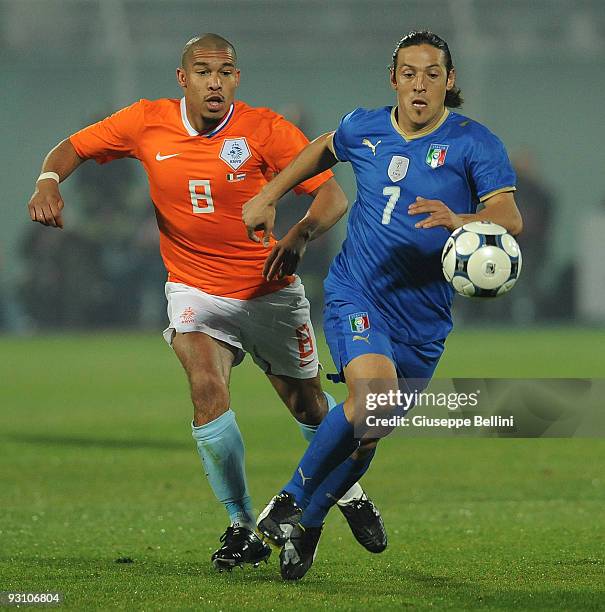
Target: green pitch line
x=97 y=464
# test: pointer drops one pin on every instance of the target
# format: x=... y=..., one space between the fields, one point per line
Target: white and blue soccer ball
x=481 y=259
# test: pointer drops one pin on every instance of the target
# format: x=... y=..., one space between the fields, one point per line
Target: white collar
x=193 y=132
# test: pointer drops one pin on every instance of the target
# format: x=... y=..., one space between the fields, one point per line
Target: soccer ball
x=481 y=259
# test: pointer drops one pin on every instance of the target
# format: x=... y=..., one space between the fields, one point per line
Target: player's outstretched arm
x=328 y=206
x=500 y=208
x=46 y=203
x=259 y=212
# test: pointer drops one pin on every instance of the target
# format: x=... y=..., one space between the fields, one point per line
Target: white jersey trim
x=193 y=132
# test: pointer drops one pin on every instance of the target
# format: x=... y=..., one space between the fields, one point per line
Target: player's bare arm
x=500 y=208
x=328 y=207
x=46 y=204
x=259 y=212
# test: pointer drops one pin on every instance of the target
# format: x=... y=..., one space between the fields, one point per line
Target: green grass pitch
x=97 y=464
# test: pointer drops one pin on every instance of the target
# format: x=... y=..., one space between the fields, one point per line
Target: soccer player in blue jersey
x=422 y=171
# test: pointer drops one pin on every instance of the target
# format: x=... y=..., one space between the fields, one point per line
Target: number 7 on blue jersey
x=393 y=193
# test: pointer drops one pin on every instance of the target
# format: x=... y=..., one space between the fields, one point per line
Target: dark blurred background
x=533 y=73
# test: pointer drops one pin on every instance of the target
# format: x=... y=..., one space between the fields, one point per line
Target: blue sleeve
x=489 y=167
x=342 y=137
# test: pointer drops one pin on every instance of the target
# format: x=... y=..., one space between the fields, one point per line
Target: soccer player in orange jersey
x=205 y=155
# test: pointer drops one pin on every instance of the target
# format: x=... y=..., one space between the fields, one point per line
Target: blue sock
x=334 y=486
x=333 y=442
x=221 y=448
x=308 y=431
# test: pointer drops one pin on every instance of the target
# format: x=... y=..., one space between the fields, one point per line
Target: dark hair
x=453 y=98
x=208 y=39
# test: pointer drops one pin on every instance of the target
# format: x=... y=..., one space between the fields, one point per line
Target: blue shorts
x=353 y=328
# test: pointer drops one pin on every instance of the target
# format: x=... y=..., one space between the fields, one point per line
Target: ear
x=451 y=80
x=237 y=77
x=181 y=77
x=392 y=78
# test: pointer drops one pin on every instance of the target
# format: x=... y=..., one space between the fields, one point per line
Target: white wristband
x=49 y=175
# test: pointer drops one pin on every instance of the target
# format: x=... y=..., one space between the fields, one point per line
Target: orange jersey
x=199 y=183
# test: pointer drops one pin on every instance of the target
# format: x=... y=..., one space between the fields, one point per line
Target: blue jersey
x=390 y=263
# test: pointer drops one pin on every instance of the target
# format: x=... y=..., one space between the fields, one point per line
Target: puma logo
x=366 y=142
x=364 y=338
x=304 y=478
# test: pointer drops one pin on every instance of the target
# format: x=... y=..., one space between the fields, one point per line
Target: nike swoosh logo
x=163 y=157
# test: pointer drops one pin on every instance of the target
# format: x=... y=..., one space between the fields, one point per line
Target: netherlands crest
x=235 y=152
x=360 y=321
x=436 y=155
x=398 y=168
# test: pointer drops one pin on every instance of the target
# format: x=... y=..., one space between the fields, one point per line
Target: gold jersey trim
x=421 y=133
x=331 y=146
x=487 y=196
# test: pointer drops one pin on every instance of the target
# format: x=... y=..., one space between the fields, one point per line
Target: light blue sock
x=221 y=449
x=308 y=431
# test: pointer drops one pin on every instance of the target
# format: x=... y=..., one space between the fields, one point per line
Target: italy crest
x=360 y=321
x=436 y=155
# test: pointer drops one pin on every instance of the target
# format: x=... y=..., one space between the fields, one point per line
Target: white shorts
x=275 y=328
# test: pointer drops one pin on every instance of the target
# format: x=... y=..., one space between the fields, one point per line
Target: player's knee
x=350 y=408
x=370 y=423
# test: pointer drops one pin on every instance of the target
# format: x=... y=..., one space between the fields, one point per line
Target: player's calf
x=303 y=397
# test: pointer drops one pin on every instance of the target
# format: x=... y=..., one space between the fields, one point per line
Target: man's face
x=421 y=82
x=209 y=79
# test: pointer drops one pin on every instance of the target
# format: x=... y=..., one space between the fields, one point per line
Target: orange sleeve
x=285 y=142
x=113 y=137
